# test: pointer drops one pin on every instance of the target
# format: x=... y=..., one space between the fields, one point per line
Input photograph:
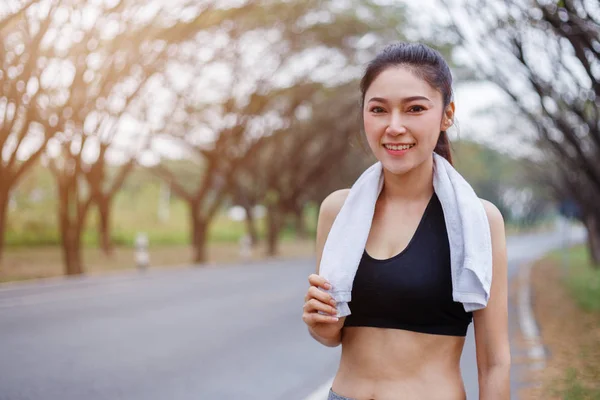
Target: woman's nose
x=396 y=124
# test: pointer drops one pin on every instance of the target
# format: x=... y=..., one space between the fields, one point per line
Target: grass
x=33 y=242
x=574 y=389
x=515 y=228
x=567 y=309
x=135 y=209
x=39 y=229
x=582 y=279
x=44 y=262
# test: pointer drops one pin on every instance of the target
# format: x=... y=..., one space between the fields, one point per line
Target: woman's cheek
x=372 y=127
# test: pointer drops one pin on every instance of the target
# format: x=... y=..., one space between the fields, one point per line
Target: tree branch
x=171 y=179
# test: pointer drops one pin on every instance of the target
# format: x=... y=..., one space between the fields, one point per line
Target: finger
x=314 y=293
x=319 y=281
x=315 y=306
x=314 y=319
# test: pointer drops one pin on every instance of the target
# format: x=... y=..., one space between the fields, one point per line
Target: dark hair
x=423 y=61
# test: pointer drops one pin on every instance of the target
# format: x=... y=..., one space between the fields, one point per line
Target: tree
x=106 y=72
x=27 y=121
x=545 y=56
x=307 y=155
x=218 y=164
x=95 y=95
x=223 y=133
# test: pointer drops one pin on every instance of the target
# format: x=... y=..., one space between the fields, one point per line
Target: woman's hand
x=320 y=312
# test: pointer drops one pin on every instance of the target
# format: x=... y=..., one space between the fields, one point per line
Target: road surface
x=222 y=333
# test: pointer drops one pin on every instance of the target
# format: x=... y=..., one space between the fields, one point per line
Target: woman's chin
x=402 y=166
x=398 y=168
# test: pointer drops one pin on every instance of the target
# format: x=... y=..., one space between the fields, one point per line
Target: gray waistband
x=334 y=396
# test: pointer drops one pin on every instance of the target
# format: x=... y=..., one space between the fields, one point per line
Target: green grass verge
x=583 y=283
x=36 y=228
x=582 y=279
x=574 y=390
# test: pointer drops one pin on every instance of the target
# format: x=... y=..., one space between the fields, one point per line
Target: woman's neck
x=416 y=184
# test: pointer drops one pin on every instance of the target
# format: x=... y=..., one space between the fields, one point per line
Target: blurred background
x=173 y=137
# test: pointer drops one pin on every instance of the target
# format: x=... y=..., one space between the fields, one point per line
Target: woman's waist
x=395 y=354
x=445 y=386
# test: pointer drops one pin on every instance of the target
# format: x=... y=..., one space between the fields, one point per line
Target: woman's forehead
x=400 y=82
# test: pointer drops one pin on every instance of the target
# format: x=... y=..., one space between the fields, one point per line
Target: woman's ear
x=448 y=117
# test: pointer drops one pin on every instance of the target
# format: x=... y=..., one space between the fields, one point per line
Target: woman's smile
x=397 y=150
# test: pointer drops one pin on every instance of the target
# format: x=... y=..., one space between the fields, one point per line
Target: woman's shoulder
x=332 y=204
x=493 y=213
x=496 y=221
x=330 y=208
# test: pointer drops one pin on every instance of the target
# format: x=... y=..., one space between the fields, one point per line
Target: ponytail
x=443 y=147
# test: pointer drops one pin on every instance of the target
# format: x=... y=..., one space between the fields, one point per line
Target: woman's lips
x=399 y=152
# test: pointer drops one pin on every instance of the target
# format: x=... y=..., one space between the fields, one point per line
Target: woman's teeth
x=396 y=147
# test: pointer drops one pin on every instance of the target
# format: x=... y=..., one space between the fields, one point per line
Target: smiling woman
x=404 y=95
x=405 y=333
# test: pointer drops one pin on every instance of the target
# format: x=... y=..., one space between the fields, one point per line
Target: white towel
x=466 y=222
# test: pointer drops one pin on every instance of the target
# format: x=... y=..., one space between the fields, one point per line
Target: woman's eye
x=417 y=109
x=377 y=110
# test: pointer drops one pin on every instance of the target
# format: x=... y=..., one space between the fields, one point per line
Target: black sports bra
x=413 y=289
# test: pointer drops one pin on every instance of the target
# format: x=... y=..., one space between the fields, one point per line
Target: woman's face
x=403 y=116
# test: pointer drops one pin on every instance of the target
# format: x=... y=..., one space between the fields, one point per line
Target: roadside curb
x=125 y=273
x=529 y=328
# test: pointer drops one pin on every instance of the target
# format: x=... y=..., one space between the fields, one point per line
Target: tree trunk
x=301 y=232
x=251 y=224
x=199 y=236
x=274 y=220
x=72 y=251
x=70 y=227
x=104 y=226
x=592 y=224
x=4 y=199
x=70 y=241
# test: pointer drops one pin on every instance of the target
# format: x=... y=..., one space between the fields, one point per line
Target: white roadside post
x=564 y=240
x=238 y=214
x=142 y=258
x=245 y=248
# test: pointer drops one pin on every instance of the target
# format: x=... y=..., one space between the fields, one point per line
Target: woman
x=411 y=350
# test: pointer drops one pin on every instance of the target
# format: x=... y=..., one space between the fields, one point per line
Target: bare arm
x=328 y=333
x=491 y=323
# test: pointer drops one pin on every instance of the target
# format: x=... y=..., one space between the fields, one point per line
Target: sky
x=471 y=99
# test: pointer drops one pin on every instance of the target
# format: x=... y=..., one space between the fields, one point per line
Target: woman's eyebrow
x=404 y=100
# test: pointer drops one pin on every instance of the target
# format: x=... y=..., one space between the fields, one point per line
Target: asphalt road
x=231 y=332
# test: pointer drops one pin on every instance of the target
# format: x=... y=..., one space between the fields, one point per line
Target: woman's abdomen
x=381 y=363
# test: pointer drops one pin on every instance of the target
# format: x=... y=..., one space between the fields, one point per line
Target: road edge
x=133 y=272
x=527 y=323
x=322 y=392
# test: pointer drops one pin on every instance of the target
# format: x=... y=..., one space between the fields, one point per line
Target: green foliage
x=575 y=390
x=583 y=280
x=583 y=284
x=493 y=173
x=34 y=219
x=135 y=209
x=487 y=170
